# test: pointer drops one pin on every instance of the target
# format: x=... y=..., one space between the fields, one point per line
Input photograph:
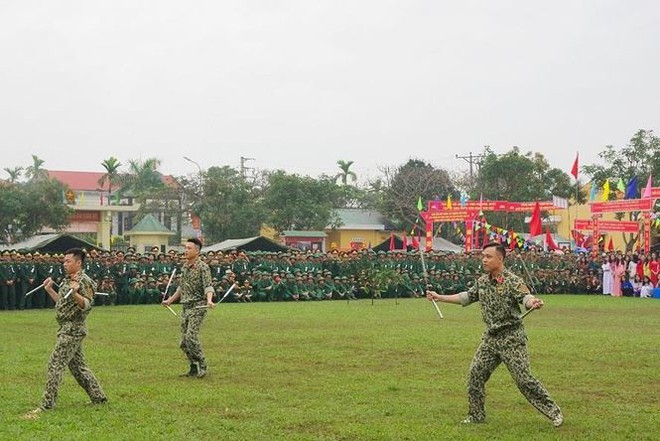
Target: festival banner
x=595 y=235
x=647 y=231
x=655 y=192
x=447 y=215
x=518 y=207
x=607 y=225
x=469 y=226
x=622 y=205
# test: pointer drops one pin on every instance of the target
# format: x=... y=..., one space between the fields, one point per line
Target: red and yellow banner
x=608 y=225
x=622 y=205
x=447 y=215
x=477 y=206
x=655 y=192
x=647 y=232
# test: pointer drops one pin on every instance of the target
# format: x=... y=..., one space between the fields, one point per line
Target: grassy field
x=338 y=371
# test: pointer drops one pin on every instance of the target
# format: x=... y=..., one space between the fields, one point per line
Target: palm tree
x=35 y=172
x=14 y=174
x=345 y=172
x=143 y=176
x=111 y=166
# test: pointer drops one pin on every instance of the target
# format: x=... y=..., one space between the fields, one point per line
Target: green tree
x=14 y=174
x=345 y=173
x=405 y=184
x=36 y=172
x=641 y=158
x=111 y=176
x=294 y=202
x=519 y=177
x=144 y=182
x=25 y=209
x=229 y=206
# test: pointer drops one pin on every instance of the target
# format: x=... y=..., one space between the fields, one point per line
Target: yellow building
x=149 y=233
x=359 y=229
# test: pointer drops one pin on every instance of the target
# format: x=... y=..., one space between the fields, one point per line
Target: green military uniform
x=28 y=274
x=505 y=341
x=195 y=283
x=8 y=277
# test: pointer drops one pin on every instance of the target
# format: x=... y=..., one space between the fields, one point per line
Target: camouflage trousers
x=191 y=323
x=68 y=352
x=510 y=347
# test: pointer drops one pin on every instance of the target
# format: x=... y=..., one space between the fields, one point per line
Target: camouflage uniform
x=195 y=283
x=68 y=348
x=505 y=341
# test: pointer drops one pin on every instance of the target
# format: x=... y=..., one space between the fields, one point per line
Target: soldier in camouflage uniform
x=499 y=293
x=195 y=289
x=71 y=312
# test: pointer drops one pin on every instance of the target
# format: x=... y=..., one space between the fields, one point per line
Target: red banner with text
x=622 y=205
x=607 y=225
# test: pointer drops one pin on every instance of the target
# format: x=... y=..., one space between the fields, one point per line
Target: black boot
x=192 y=372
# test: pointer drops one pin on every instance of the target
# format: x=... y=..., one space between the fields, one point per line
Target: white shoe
x=33 y=414
x=558 y=420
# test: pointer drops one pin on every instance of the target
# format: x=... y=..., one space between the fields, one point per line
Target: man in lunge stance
x=500 y=292
x=73 y=302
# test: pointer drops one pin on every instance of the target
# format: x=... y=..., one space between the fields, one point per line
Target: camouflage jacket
x=499 y=299
x=195 y=282
x=68 y=314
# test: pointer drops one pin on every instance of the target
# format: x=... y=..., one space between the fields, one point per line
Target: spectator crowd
x=141 y=278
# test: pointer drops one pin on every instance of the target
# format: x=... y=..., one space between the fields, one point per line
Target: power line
x=472 y=159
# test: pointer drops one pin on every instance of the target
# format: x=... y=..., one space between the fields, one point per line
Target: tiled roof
x=300 y=233
x=358 y=219
x=89 y=181
x=77 y=180
x=149 y=224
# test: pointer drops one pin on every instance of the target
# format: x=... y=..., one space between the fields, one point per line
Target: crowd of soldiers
x=142 y=278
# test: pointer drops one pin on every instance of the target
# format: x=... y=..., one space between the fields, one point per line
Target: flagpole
x=577 y=203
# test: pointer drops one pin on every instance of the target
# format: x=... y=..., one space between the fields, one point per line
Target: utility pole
x=472 y=159
x=243 y=167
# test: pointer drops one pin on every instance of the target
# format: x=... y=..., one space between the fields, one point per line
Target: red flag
x=574 y=170
x=405 y=241
x=610 y=246
x=392 y=243
x=512 y=242
x=550 y=241
x=535 y=227
x=415 y=243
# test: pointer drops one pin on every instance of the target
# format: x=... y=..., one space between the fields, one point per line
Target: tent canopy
x=257 y=243
x=51 y=243
x=439 y=244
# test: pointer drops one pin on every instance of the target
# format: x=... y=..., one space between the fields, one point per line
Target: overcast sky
x=301 y=84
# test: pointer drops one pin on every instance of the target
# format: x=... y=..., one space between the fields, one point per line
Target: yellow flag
x=449 y=202
x=606 y=190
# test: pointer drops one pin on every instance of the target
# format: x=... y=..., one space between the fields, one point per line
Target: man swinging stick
x=500 y=292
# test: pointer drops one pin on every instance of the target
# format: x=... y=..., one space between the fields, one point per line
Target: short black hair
x=498 y=247
x=78 y=253
x=196 y=242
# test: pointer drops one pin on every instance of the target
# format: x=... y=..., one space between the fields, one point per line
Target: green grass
x=338 y=371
